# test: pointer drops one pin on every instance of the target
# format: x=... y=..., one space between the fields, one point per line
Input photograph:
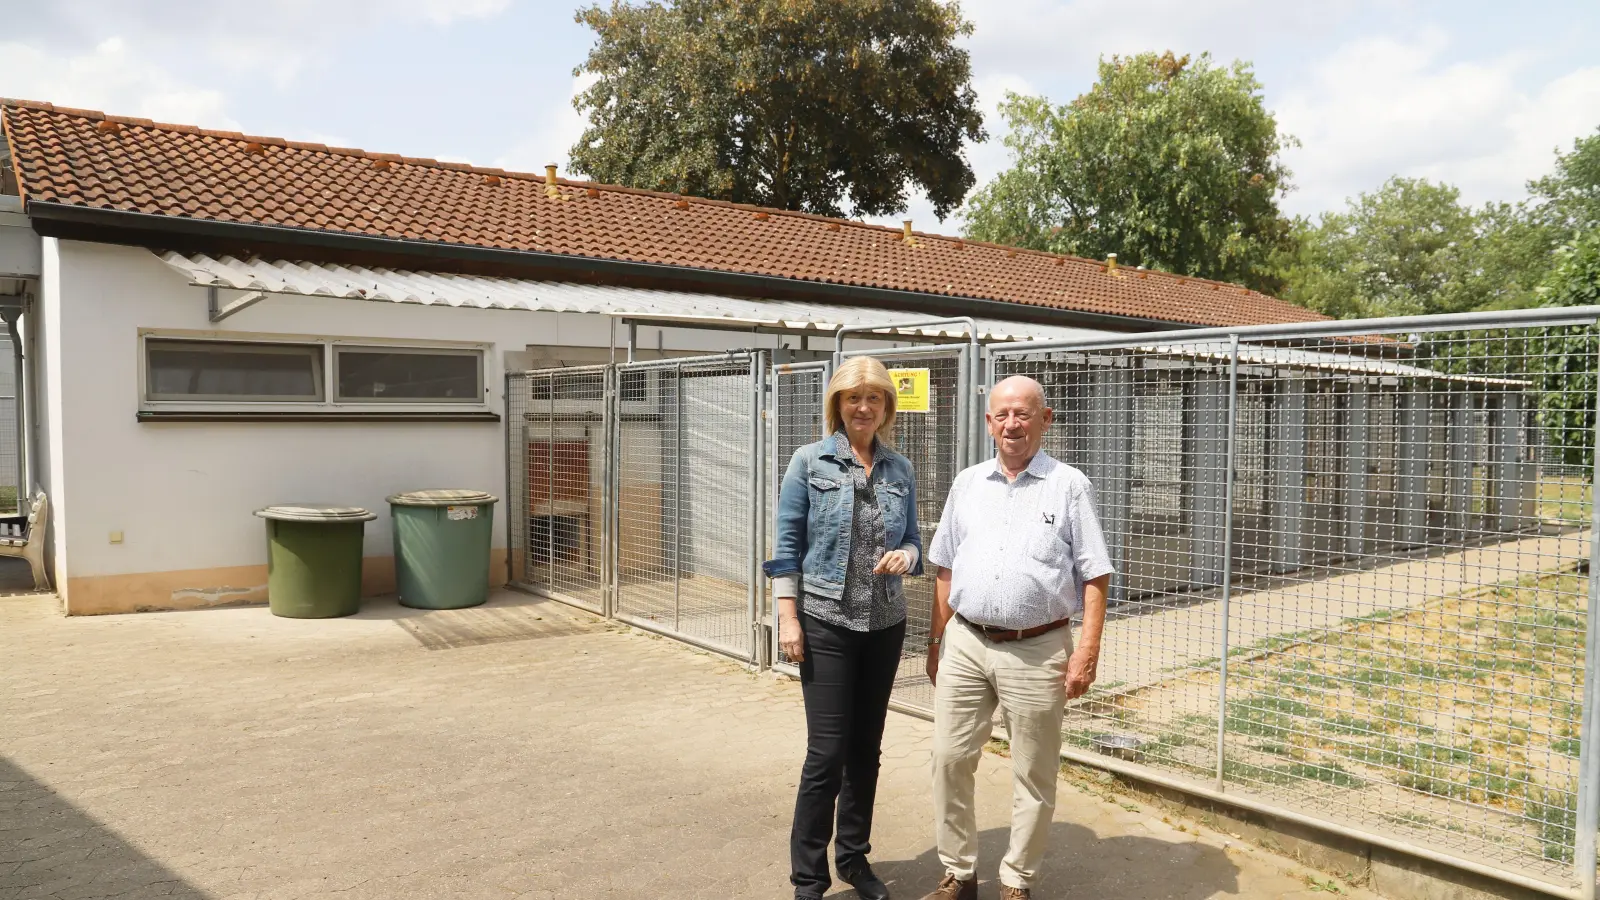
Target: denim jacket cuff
x=775 y=567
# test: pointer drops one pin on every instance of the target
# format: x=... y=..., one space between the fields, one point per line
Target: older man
x=1020 y=552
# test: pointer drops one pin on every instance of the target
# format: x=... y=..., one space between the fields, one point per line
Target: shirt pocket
x=825 y=492
x=1049 y=548
x=892 y=499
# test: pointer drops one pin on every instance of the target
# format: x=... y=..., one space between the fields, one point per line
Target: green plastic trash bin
x=441 y=547
x=314 y=559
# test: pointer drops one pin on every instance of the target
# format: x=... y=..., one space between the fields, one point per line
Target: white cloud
x=274 y=39
x=1044 y=35
x=1563 y=110
x=1382 y=106
x=443 y=12
x=1028 y=46
x=110 y=77
x=553 y=140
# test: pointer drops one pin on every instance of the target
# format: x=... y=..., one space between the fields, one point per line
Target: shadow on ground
x=388 y=607
x=49 y=848
x=16 y=577
x=508 y=616
x=1080 y=864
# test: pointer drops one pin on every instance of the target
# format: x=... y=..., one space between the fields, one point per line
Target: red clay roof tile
x=63 y=156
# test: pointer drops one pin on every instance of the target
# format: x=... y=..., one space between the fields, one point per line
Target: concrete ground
x=518 y=750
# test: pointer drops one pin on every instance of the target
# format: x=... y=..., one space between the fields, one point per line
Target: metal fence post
x=983 y=449
x=512 y=461
x=1588 y=811
x=964 y=404
x=677 y=497
x=550 y=490
x=757 y=543
x=1227 y=560
x=611 y=430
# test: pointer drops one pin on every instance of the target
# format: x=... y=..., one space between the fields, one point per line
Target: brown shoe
x=1007 y=892
x=953 y=888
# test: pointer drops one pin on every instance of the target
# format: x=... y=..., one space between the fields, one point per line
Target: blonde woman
x=847 y=532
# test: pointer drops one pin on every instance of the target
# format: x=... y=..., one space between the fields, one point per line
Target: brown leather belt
x=1001 y=635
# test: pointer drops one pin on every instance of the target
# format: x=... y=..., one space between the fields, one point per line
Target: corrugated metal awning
x=645 y=305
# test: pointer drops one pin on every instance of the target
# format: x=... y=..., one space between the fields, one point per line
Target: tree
x=1564 y=366
x=1167 y=163
x=1512 y=256
x=1518 y=243
x=1569 y=197
x=1404 y=249
x=796 y=104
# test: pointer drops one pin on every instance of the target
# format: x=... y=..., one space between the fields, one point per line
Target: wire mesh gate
x=936 y=442
x=636 y=493
x=558 y=433
x=1347 y=587
x=688 y=488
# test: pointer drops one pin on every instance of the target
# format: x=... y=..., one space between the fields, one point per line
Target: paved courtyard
x=519 y=750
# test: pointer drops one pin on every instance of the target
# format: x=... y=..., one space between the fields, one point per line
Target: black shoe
x=868 y=886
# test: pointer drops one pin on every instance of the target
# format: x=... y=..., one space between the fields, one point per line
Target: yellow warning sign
x=911 y=390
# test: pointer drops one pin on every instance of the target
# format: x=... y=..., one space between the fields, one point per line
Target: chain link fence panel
x=685 y=535
x=1378 y=614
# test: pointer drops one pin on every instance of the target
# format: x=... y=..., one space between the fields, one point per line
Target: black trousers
x=846 y=678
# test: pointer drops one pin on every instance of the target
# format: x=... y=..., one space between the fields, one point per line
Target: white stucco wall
x=181 y=494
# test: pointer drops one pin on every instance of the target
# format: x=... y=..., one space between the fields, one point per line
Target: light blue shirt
x=1020 y=551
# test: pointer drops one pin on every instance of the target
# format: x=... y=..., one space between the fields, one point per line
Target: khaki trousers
x=1026 y=680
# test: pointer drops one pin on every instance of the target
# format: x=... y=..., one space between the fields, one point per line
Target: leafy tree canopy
x=1403 y=249
x=1168 y=162
x=1564 y=363
x=799 y=104
x=1569 y=197
x=1412 y=247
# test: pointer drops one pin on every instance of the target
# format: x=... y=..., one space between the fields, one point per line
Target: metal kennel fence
x=1354 y=559
x=1349 y=585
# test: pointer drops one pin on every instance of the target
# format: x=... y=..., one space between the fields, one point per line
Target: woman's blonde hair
x=860 y=373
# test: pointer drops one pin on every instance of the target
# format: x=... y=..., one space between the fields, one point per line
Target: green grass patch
x=1555 y=813
x=1268 y=716
x=1322 y=773
x=1421 y=766
x=1565 y=499
x=1343 y=724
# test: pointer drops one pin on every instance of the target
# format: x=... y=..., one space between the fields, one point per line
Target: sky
x=1478 y=94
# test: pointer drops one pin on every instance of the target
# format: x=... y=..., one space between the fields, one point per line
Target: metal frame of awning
x=255 y=279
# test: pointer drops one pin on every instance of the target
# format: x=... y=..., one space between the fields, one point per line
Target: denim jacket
x=816 y=508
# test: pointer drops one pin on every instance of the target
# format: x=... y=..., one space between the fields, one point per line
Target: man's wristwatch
x=935 y=641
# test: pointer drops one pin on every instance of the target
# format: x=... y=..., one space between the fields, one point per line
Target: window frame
x=338 y=348
x=329 y=404
x=319 y=374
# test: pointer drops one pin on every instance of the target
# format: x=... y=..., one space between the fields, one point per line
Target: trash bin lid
x=315 y=512
x=442 y=498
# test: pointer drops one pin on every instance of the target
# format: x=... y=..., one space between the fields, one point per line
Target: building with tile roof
x=215 y=322
x=113 y=178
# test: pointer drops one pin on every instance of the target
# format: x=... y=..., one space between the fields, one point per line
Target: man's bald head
x=1017 y=421
x=1017 y=388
